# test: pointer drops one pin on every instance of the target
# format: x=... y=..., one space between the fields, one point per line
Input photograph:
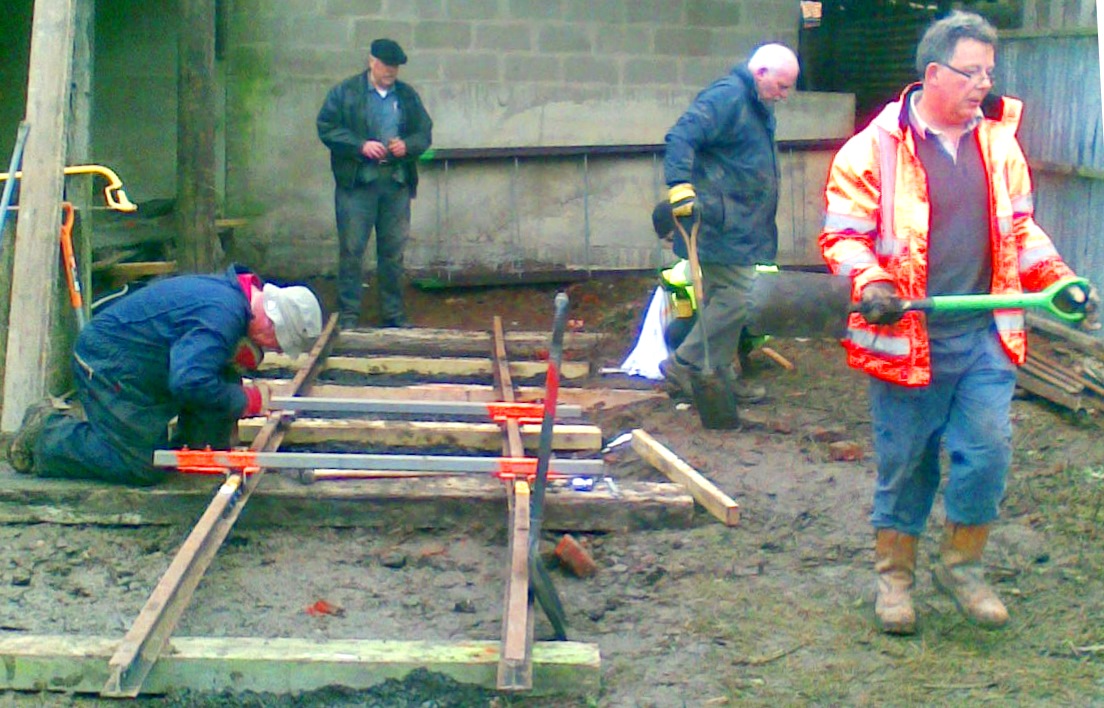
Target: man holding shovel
x=721 y=169
x=933 y=198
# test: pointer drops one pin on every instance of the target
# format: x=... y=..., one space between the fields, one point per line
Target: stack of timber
x=1064 y=365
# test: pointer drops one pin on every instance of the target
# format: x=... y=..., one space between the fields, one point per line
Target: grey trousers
x=383 y=206
x=727 y=292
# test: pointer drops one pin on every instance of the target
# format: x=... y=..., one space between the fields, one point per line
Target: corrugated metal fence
x=1058 y=77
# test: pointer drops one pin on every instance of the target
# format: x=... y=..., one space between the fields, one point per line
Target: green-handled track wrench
x=1055 y=299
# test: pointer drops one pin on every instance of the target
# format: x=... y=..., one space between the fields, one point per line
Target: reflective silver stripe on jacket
x=849 y=224
x=879 y=343
x=1009 y=321
x=1033 y=256
x=886 y=245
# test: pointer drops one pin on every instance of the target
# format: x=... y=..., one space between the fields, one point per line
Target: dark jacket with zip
x=165 y=348
x=724 y=146
x=345 y=124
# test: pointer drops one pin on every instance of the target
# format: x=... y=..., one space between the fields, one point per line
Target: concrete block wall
x=493 y=73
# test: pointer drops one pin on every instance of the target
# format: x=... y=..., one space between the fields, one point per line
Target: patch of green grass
x=781 y=645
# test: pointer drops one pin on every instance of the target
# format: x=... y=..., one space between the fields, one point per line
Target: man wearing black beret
x=375 y=127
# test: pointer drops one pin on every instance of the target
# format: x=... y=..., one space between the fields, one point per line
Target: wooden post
x=36 y=249
x=77 y=190
x=198 y=250
x=79 y=187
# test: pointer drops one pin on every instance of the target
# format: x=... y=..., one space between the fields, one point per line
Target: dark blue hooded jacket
x=724 y=146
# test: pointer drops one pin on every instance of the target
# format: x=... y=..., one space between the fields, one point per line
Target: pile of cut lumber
x=1064 y=366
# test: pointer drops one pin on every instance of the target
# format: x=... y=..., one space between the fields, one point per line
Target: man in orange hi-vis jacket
x=934 y=198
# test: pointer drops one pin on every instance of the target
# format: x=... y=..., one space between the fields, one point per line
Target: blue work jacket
x=165 y=348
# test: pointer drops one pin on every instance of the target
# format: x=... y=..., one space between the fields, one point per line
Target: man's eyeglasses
x=976 y=76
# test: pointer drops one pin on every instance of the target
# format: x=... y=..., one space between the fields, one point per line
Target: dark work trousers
x=727 y=289
x=383 y=205
x=122 y=426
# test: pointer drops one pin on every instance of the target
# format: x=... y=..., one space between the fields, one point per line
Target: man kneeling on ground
x=174 y=349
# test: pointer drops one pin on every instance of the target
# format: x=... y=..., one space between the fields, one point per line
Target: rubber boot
x=895 y=561
x=960 y=574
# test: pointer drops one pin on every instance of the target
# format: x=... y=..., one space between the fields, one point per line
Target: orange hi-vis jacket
x=876 y=229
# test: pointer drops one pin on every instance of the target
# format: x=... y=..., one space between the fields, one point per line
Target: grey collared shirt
x=924 y=129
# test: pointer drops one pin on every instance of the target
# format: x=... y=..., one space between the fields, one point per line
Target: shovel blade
x=715 y=401
x=540 y=584
x=800 y=304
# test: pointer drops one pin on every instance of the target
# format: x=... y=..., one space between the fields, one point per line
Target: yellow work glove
x=682 y=199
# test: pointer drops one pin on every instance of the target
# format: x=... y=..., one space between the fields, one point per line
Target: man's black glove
x=879 y=304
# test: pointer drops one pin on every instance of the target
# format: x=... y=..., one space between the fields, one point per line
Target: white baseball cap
x=296 y=316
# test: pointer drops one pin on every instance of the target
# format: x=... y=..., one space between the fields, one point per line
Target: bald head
x=775 y=69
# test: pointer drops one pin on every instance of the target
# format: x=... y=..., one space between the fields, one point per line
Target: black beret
x=388 y=51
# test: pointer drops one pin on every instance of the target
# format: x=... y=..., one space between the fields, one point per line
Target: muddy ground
x=775 y=611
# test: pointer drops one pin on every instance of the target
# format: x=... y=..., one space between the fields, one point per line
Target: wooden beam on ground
x=452 y=342
x=283 y=501
x=35 y=270
x=1083 y=341
x=705 y=492
x=428 y=366
x=143 y=643
x=515 y=665
x=420 y=434
x=286 y=666
x=1051 y=392
x=588 y=398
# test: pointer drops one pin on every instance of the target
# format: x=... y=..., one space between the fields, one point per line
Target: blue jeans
x=967 y=409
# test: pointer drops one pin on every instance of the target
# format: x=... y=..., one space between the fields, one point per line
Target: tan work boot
x=895 y=561
x=960 y=574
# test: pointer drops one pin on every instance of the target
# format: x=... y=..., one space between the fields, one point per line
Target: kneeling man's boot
x=895 y=561
x=960 y=574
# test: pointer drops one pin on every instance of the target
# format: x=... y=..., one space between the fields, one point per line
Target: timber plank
x=705 y=492
x=78 y=664
x=283 y=501
x=515 y=666
x=451 y=342
x=1051 y=392
x=404 y=433
x=34 y=357
x=426 y=366
x=588 y=398
x=147 y=637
